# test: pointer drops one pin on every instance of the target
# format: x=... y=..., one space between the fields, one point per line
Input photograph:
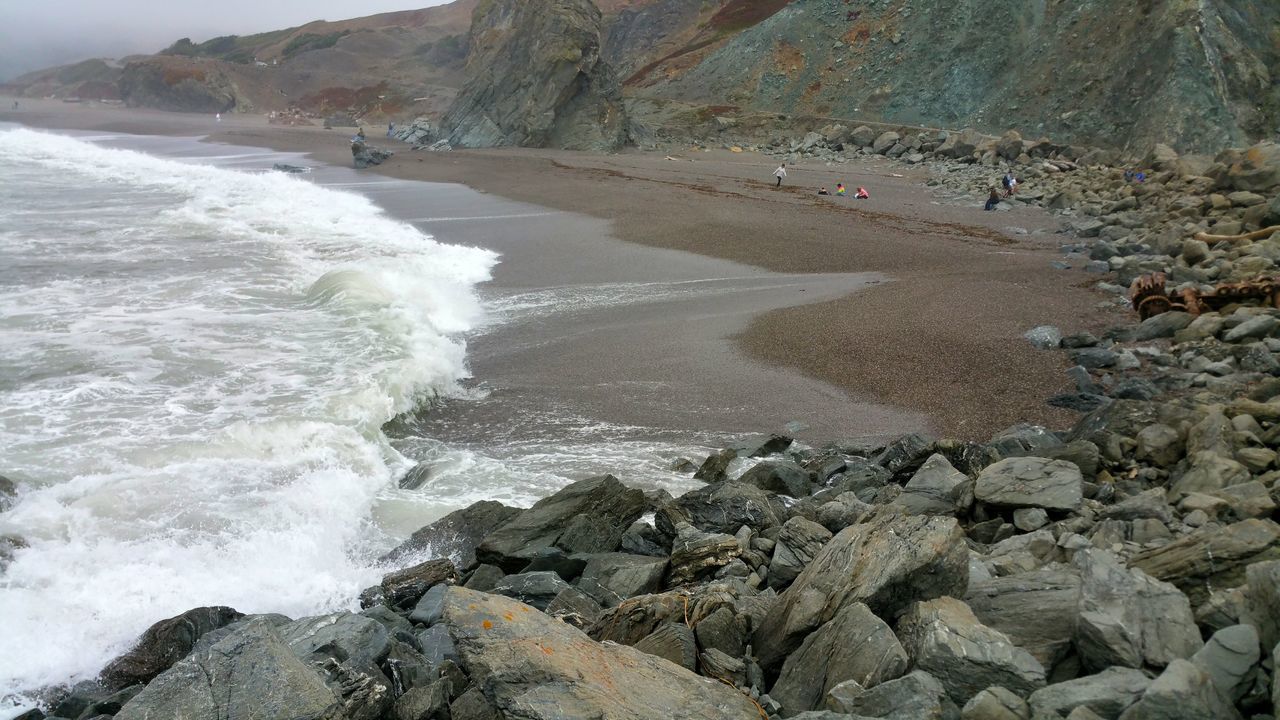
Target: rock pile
x=1127 y=568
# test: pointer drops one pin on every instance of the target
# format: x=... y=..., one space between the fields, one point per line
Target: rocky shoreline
x=1128 y=567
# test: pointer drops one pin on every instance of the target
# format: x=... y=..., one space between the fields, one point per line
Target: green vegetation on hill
x=312 y=41
x=231 y=48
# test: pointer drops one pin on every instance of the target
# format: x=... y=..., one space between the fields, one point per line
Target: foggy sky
x=35 y=34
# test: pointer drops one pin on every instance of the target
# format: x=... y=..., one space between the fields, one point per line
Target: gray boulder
x=944 y=638
x=162 y=645
x=1031 y=482
x=1230 y=659
x=455 y=535
x=402 y=589
x=917 y=696
x=696 y=554
x=936 y=488
x=884 y=141
x=1262 y=600
x=364 y=155
x=961 y=144
x=779 y=476
x=1128 y=618
x=610 y=578
x=1108 y=693
x=536 y=78
x=1213 y=557
x=344 y=636
x=854 y=645
x=534 y=588
x=725 y=630
x=673 y=642
x=1036 y=610
x=887 y=562
x=1182 y=692
x=722 y=508
x=586 y=516
x=862 y=136
x=250 y=674
x=797 y=543
x=996 y=703
x=539 y=668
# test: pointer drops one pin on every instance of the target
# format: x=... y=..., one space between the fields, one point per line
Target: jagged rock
x=537 y=667
x=575 y=607
x=884 y=141
x=1209 y=472
x=347 y=637
x=1163 y=325
x=722 y=508
x=1182 y=692
x=455 y=535
x=854 y=645
x=177 y=84
x=917 y=696
x=842 y=512
x=936 y=488
x=364 y=155
x=1129 y=619
x=1247 y=500
x=1037 y=610
x=1213 y=557
x=609 y=505
x=1009 y=146
x=996 y=703
x=797 y=543
x=535 y=78
x=887 y=562
x=1258 y=168
x=1031 y=482
x=534 y=588
x=402 y=589
x=945 y=639
x=713 y=469
x=673 y=642
x=1262 y=600
x=725 y=630
x=251 y=673
x=163 y=644
x=1108 y=693
x=961 y=145
x=696 y=554
x=1230 y=658
x=1030 y=519
x=905 y=454
x=610 y=578
x=1146 y=505
x=428 y=702
x=1223 y=609
x=484 y=577
x=644 y=539
x=863 y=136
x=718 y=665
x=635 y=618
x=779 y=476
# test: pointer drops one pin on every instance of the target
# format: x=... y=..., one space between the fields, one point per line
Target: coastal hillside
x=1197 y=75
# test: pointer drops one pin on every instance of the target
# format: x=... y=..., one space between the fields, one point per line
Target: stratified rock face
x=163 y=644
x=535 y=78
x=177 y=84
x=536 y=667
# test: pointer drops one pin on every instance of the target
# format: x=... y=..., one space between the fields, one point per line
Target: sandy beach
x=940 y=340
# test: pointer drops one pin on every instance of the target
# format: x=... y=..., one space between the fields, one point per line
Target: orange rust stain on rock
x=546 y=650
x=524 y=609
x=509 y=616
x=487 y=625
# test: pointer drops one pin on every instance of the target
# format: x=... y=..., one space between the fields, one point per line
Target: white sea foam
x=195 y=365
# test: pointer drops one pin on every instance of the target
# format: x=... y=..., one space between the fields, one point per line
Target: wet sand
x=941 y=340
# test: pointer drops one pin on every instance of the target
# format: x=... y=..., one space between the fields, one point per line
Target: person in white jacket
x=780 y=173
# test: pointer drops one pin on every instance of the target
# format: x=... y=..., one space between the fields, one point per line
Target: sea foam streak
x=195 y=365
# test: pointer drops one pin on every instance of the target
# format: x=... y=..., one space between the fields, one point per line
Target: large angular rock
x=1214 y=557
x=1257 y=169
x=1037 y=610
x=250 y=674
x=357 y=639
x=887 y=562
x=402 y=589
x=945 y=639
x=1031 y=482
x=854 y=645
x=635 y=618
x=610 y=578
x=1230 y=658
x=917 y=696
x=961 y=144
x=1109 y=693
x=723 y=508
x=535 y=78
x=797 y=544
x=696 y=554
x=535 y=667
x=1262 y=600
x=586 y=516
x=162 y=645
x=673 y=642
x=534 y=588
x=455 y=535
x=779 y=476
x=1129 y=619
x=996 y=703
x=1182 y=692
x=937 y=488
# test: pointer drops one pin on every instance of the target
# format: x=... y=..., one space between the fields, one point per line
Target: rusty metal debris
x=1150 y=297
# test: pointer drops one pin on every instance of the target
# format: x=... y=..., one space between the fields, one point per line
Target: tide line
x=484 y=217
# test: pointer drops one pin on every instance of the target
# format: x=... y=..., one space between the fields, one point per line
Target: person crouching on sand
x=780 y=173
x=840 y=189
x=861 y=194
x=993 y=200
x=823 y=191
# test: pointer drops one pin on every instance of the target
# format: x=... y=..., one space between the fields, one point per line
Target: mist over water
x=195 y=367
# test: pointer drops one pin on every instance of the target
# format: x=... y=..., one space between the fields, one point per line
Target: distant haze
x=36 y=34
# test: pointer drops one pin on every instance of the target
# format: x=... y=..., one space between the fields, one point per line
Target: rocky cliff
x=1199 y=75
x=536 y=78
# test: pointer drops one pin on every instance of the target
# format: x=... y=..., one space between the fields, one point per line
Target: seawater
x=196 y=365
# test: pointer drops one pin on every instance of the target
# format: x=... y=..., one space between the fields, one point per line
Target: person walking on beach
x=780 y=173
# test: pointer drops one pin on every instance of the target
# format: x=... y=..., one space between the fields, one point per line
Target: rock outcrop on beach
x=177 y=84
x=536 y=78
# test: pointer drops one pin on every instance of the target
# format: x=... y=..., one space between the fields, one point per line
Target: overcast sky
x=38 y=33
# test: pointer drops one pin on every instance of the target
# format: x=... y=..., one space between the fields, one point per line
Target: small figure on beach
x=840 y=188
x=861 y=194
x=359 y=137
x=823 y=191
x=15 y=104
x=992 y=200
x=1140 y=176
x=780 y=173
x=1128 y=175
x=1010 y=183
x=217 y=117
x=391 y=129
